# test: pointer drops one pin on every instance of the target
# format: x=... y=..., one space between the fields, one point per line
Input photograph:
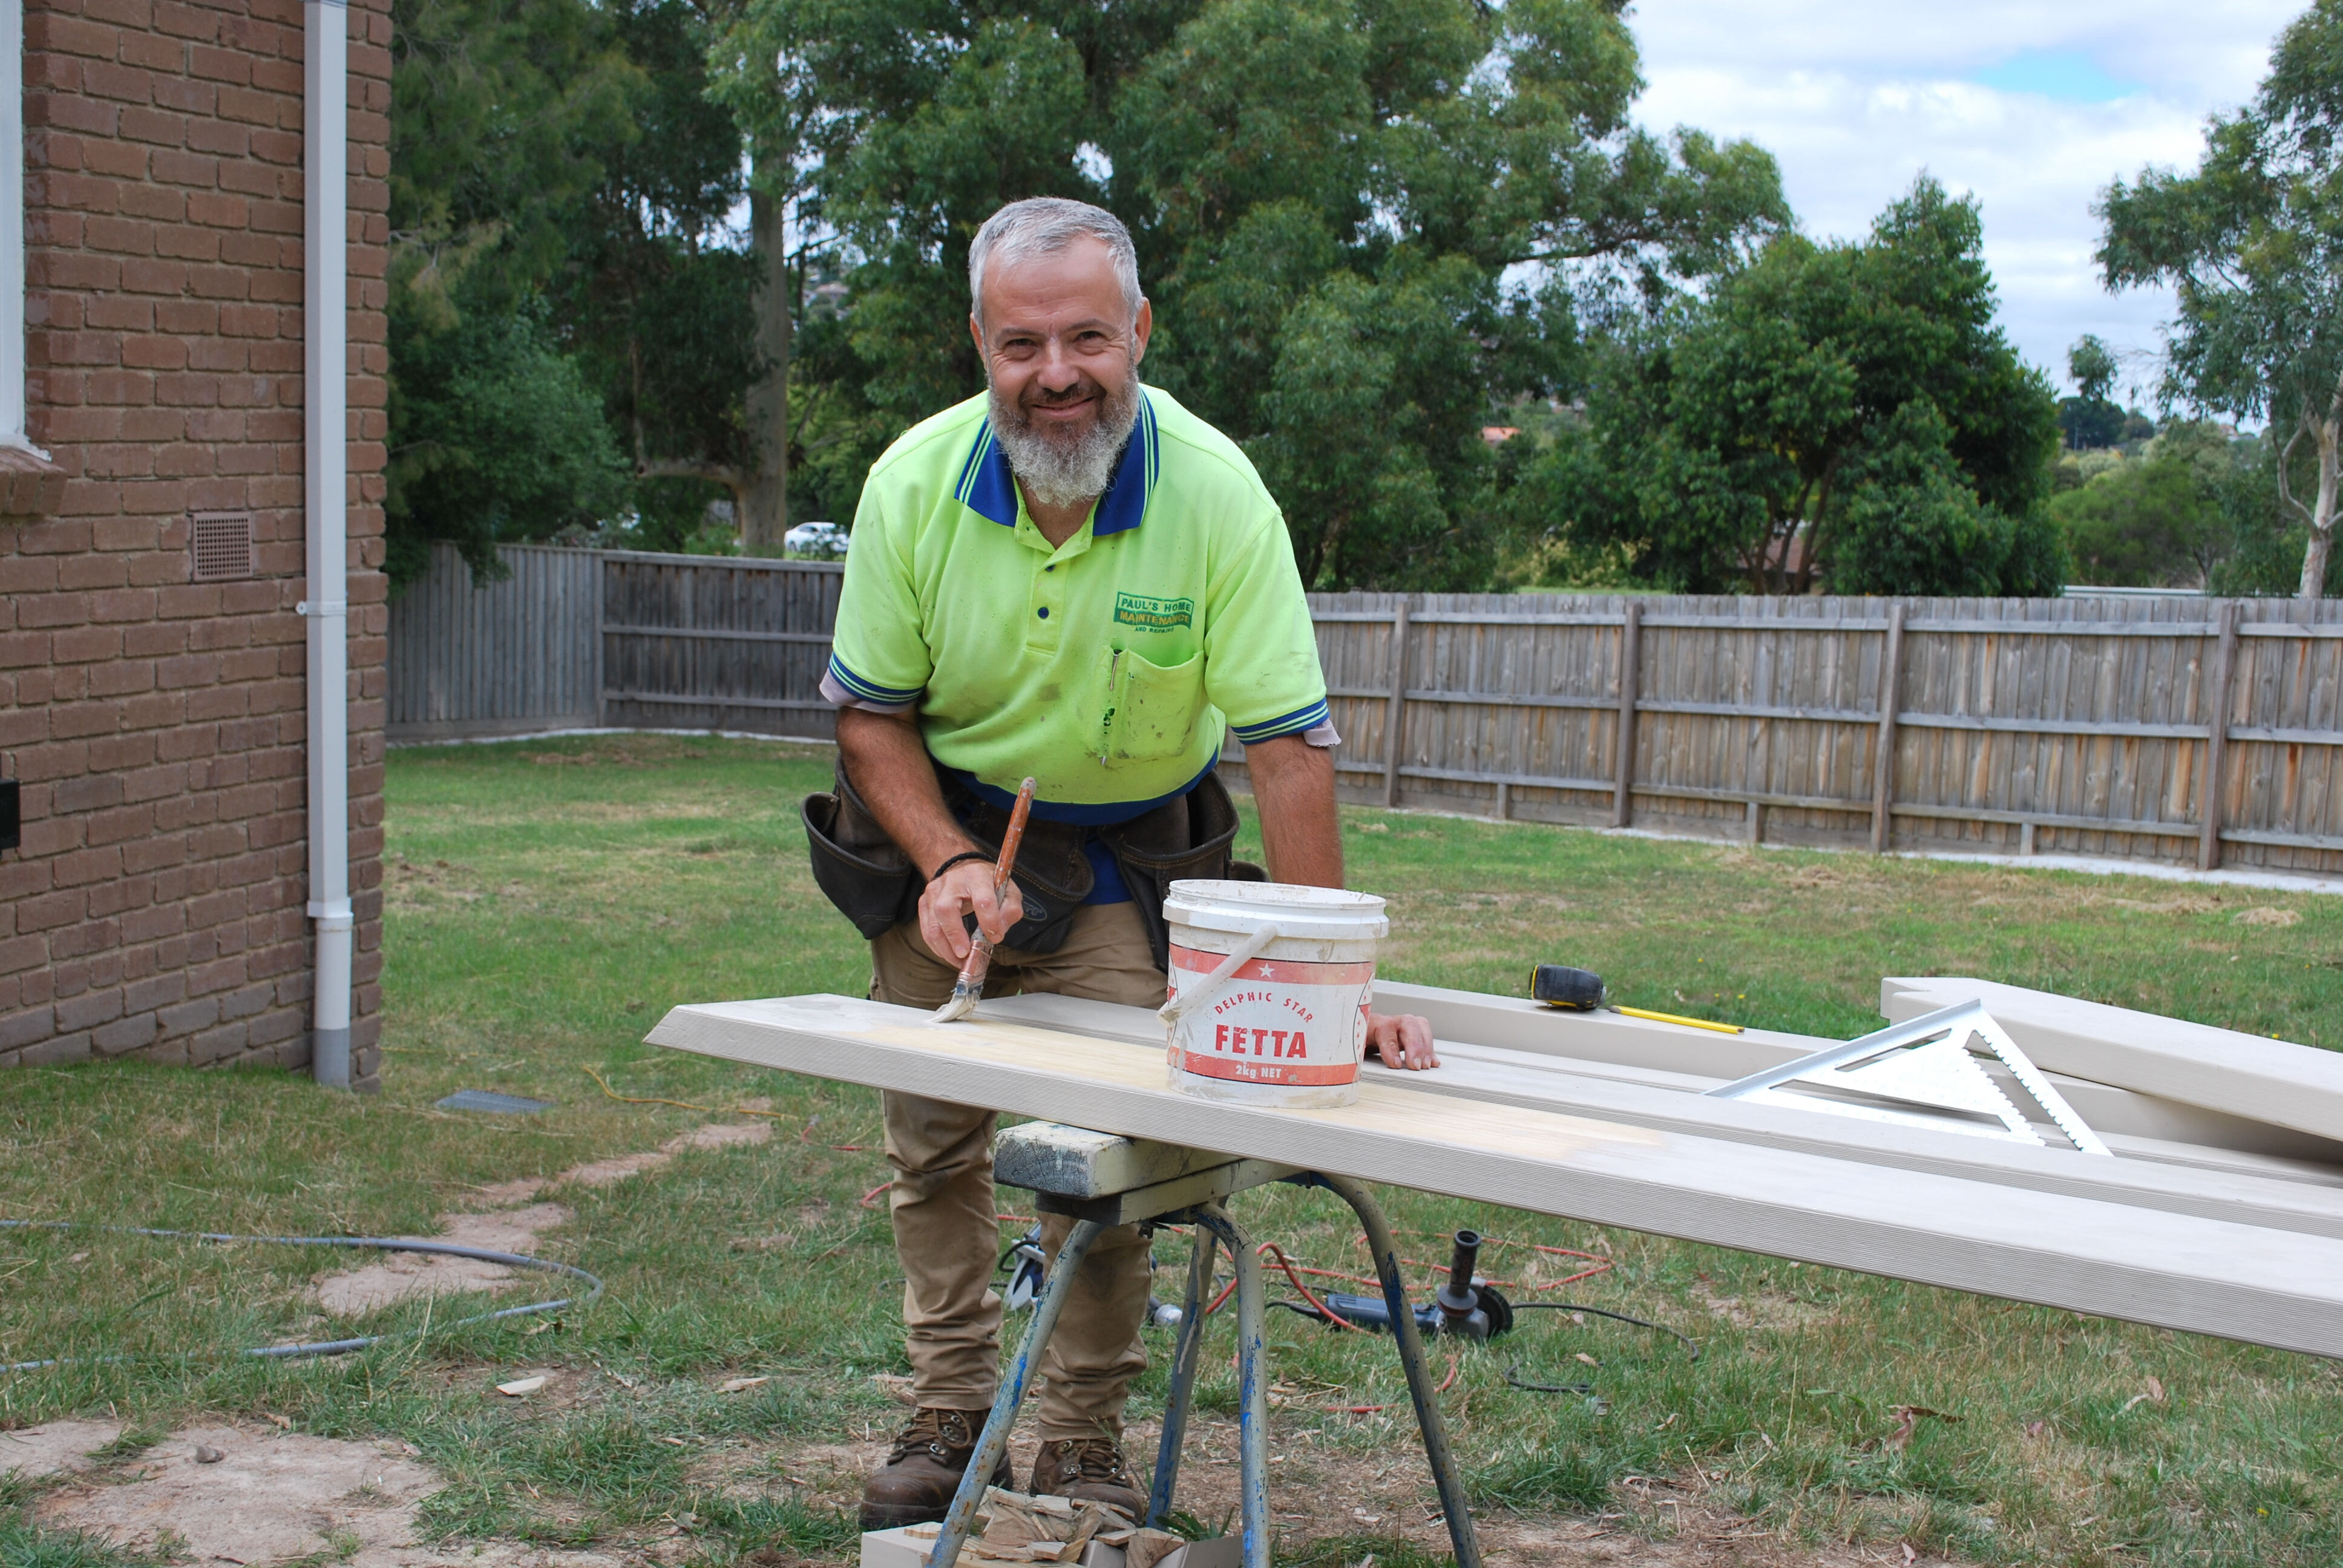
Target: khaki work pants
x=946 y=1237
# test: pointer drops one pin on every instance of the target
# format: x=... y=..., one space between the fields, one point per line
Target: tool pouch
x=1180 y=840
x=856 y=864
x=1052 y=875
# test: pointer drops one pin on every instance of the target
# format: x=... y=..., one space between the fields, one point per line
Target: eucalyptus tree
x=2252 y=244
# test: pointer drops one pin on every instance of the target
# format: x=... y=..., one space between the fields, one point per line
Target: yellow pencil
x=1672 y=1017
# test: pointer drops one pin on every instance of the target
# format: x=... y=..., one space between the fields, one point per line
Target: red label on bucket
x=1275 y=1020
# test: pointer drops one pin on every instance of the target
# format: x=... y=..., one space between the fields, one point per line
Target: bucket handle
x=1189 y=1000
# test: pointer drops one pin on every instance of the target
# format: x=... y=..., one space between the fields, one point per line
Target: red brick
x=157 y=54
x=70 y=34
x=187 y=21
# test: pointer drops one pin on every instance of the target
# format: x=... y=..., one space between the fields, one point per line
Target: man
x=1074 y=578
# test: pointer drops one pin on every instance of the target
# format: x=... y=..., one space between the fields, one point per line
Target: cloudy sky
x=2030 y=107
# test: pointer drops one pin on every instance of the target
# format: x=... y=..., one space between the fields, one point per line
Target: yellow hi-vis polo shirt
x=1105 y=668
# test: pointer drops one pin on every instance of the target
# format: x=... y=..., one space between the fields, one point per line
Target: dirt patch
x=1318 y=1492
x=62 y=1447
x=2267 y=915
x=715 y=1135
x=505 y=1227
x=401 y=1276
x=1768 y=1310
x=276 y=1497
x=2186 y=904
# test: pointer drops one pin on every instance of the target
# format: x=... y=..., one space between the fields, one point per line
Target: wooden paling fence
x=691 y=642
x=574 y=639
x=2081 y=725
x=506 y=657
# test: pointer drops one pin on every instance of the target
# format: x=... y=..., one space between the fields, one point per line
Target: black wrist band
x=956 y=860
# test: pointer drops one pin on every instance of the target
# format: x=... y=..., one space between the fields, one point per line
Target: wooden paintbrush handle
x=1014 y=837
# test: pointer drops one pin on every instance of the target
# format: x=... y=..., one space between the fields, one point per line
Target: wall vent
x=221 y=544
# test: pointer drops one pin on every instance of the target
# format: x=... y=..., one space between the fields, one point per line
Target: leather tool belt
x=874 y=884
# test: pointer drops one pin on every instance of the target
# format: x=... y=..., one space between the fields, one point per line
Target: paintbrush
x=970 y=988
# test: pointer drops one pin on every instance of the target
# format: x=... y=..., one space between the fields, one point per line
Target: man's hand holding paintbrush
x=949 y=919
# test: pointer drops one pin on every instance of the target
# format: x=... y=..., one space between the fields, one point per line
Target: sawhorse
x=1100 y=1181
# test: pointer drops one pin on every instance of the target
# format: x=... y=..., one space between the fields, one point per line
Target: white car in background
x=817 y=541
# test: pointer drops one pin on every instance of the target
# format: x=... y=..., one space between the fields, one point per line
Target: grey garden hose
x=328 y=1347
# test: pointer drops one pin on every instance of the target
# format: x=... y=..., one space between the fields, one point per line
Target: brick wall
x=157 y=721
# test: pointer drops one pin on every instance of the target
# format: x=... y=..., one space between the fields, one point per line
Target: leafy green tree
x=1327 y=196
x=2159 y=520
x=497 y=106
x=657 y=297
x=1845 y=415
x=2252 y=243
x=2089 y=419
x=500 y=438
x=2266 y=537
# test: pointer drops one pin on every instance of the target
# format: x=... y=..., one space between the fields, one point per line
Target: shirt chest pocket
x=1145 y=712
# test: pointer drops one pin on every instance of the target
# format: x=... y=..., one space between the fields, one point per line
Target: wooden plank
x=1665 y=621
x=1747 y=797
x=1501 y=699
x=2275 y=735
x=1482 y=618
x=2279 y=628
x=2049 y=819
x=2018 y=628
x=1470 y=776
x=2271 y=1081
x=1699 y=1060
x=1750 y=711
x=717 y=634
x=2212 y=1183
x=1622 y=801
x=2093 y=727
x=2328 y=842
x=1882 y=764
x=2217 y=739
x=2257 y=1284
x=1395 y=723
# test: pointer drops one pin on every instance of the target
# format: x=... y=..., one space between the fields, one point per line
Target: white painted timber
x=2268 y=1286
x=1641 y=1045
x=2242 y=1075
x=2233 y=1146
x=1077 y=1163
x=2249 y=1190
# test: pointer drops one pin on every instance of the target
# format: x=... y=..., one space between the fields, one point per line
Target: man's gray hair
x=1044 y=225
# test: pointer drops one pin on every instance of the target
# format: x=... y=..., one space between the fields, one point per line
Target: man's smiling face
x=1062 y=350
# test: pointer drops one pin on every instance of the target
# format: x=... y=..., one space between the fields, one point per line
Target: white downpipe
x=11 y=225
x=325 y=116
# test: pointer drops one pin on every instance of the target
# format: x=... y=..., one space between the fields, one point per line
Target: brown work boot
x=917 y=1482
x=1086 y=1470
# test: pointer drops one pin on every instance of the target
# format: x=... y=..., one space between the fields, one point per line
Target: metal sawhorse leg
x=1100 y=1180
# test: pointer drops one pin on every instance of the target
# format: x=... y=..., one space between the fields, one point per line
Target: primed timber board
x=2111 y=1105
x=1608 y=1045
x=2285 y=1195
x=2241 y=1075
x=2266 y=1286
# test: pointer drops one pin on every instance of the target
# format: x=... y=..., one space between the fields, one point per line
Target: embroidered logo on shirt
x=1153 y=614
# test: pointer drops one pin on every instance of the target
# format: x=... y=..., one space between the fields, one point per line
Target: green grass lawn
x=546 y=901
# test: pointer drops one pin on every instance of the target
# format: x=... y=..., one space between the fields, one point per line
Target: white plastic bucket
x=1288 y=1025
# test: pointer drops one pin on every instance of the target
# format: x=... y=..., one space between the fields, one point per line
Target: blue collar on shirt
x=987 y=487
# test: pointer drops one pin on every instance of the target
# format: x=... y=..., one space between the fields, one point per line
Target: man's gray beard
x=1061 y=472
